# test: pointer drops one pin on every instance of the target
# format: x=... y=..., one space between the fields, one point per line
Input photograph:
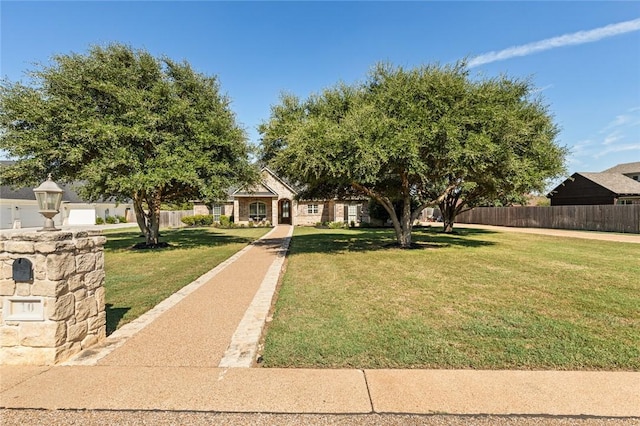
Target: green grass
x=137 y=280
x=476 y=299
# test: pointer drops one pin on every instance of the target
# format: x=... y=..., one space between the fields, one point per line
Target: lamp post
x=49 y=197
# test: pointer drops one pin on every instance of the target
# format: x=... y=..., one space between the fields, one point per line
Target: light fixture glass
x=49 y=197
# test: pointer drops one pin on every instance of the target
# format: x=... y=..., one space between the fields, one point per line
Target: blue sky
x=583 y=56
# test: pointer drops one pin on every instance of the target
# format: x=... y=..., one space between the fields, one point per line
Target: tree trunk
x=154 y=220
x=148 y=222
x=449 y=209
x=141 y=216
x=403 y=226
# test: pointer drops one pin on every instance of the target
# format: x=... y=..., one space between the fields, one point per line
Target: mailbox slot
x=22 y=270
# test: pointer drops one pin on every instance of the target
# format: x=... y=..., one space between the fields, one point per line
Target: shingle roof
x=625 y=168
x=69 y=195
x=614 y=182
x=9 y=193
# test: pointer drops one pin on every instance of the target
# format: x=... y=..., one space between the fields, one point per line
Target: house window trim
x=255 y=214
x=217 y=212
x=313 y=209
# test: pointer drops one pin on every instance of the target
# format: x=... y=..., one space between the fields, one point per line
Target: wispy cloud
x=630 y=119
x=542 y=89
x=579 y=37
x=620 y=148
x=611 y=138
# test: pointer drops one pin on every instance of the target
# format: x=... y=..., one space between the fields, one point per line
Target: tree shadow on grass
x=114 y=316
x=374 y=239
x=176 y=238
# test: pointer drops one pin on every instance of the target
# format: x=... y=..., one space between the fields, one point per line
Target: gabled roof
x=614 y=182
x=262 y=190
x=625 y=168
x=288 y=185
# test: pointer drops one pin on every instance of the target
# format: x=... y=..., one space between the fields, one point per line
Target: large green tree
x=127 y=125
x=509 y=150
x=414 y=138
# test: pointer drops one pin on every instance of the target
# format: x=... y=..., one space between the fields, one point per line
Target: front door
x=284 y=212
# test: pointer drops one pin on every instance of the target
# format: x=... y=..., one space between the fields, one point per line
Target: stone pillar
x=274 y=211
x=61 y=309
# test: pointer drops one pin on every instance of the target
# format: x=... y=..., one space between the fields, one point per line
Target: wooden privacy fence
x=172 y=219
x=611 y=218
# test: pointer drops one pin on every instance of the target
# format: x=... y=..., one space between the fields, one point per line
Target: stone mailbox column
x=60 y=310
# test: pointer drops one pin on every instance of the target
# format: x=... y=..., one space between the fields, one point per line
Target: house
x=19 y=208
x=631 y=170
x=617 y=185
x=275 y=200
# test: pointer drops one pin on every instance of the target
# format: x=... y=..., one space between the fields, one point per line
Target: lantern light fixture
x=49 y=197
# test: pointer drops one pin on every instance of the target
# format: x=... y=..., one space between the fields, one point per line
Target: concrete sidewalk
x=176 y=358
x=567 y=233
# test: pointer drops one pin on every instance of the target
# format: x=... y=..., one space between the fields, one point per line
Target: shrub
x=364 y=224
x=267 y=224
x=110 y=220
x=225 y=221
x=352 y=224
x=337 y=225
x=121 y=219
x=198 y=220
x=251 y=224
x=188 y=220
x=99 y=221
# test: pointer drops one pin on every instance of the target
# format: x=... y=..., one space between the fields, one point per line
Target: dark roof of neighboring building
x=7 y=192
x=614 y=182
x=69 y=195
x=625 y=168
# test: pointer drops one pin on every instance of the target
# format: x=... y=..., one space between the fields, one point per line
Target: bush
x=337 y=225
x=267 y=224
x=99 y=221
x=352 y=224
x=225 y=221
x=121 y=219
x=198 y=220
x=364 y=224
x=251 y=224
x=111 y=220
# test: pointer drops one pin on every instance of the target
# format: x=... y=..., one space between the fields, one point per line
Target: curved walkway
x=178 y=357
x=589 y=235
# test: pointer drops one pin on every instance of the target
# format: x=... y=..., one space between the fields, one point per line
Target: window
x=352 y=213
x=636 y=177
x=258 y=210
x=312 y=209
x=217 y=211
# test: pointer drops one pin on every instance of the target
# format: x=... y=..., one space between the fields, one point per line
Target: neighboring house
x=274 y=200
x=19 y=209
x=617 y=185
x=631 y=170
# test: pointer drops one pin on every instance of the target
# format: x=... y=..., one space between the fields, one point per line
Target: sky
x=583 y=57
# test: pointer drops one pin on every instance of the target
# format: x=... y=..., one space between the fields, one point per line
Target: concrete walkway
x=182 y=356
x=566 y=233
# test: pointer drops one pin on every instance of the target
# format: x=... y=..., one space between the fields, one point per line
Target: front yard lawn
x=476 y=299
x=137 y=280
